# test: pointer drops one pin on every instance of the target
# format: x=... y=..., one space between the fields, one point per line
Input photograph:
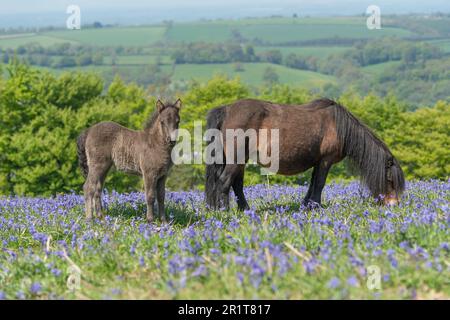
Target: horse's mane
x=367 y=153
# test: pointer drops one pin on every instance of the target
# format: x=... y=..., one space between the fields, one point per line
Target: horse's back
x=306 y=132
x=253 y=112
x=102 y=134
x=111 y=142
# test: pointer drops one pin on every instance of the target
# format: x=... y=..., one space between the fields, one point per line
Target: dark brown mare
x=146 y=153
x=314 y=135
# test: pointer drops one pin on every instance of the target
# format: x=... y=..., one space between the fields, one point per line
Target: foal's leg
x=93 y=187
x=88 y=192
x=150 y=183
x=319 y=181
x=98 y=188
x=238 y=188
x=160 y=195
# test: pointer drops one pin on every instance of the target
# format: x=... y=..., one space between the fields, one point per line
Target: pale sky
x=36 y=13
x=29 y=6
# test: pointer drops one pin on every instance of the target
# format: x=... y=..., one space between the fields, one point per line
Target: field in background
x=284 y=32
x=145 y=54
x=377 y=69
x=252 y=73
x=126 y=36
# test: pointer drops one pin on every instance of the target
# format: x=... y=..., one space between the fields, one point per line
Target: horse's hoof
x=311 y=205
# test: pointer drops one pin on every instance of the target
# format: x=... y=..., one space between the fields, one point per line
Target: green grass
x=303 y=32
x=279 y=32
x=443 y=44
x=252 y=74
x=377 y=69
x=120 y=36
x=15 y=41
x=441 y=25
x=285 y=20
x=199 y=32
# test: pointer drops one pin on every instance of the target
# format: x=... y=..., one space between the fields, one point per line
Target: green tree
x=97 y=59
x=270 y=76
x=84 y=59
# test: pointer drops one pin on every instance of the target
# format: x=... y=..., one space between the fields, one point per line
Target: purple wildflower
x=334 y=283
x=35 y=288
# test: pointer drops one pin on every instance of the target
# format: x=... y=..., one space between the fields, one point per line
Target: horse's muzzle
x=390 y=201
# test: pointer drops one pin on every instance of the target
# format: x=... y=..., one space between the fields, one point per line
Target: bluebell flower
x=35 y=288
x=334 y=283
x=352 y=281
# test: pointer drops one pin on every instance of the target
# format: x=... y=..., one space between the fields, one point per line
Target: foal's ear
x=177 y=104
x=160 y=106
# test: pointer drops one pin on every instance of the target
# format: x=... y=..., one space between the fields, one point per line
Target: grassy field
x=376 y=69
x=287 y=20
x=124 y=36
x=443 y=44
x=275 y=250
x=15 y=41
x=252 y=74
x=199 y=32
x=303 y=32
x=278 y=33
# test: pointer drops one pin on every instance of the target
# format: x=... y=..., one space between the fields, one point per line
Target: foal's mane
x=151 y=120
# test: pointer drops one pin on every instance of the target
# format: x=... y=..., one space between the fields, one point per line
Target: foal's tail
x=81 y=151
x=214 y=120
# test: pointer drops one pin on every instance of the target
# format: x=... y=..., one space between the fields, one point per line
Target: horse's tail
x=214 y=120
x=368 y=154
x=81 y=151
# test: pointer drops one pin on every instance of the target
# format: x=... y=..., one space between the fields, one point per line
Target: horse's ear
x=160 y=106
x=178 y=104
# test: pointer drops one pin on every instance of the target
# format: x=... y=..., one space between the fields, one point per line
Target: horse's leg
x=160 y=195
x=225 y=180
x=102 y=171
x=238 y=188
x=319 y=181
x=88 y=192
x=310 y=188
x=150 y=182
